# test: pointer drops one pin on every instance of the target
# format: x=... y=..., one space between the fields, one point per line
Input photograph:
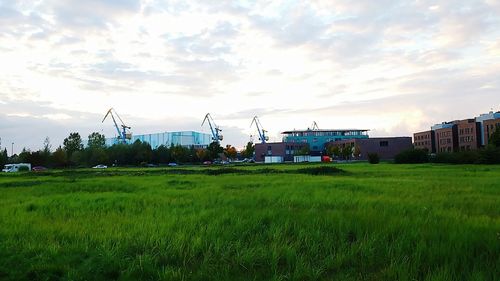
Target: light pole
x=12 y=150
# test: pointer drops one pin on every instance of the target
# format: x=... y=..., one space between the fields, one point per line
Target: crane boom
x=123 y=135
x=216 y=136
x=262 y=133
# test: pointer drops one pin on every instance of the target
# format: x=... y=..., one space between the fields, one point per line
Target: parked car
x=100 y=166
x=207 y=163
x=39 y=169
x=172 y=164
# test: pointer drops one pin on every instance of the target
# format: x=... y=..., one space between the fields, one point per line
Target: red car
x=39 y=169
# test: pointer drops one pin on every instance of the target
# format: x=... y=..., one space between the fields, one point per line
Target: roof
x=325 y=130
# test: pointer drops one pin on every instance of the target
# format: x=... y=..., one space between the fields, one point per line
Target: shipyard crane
x=216 y=135
x=123 y=134
x=314 y=126
x=262 y=133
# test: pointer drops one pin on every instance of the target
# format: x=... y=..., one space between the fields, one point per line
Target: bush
x=462 y=157
x=24 y=169
x=412 y=156
x=373 y=158
x=489 y=155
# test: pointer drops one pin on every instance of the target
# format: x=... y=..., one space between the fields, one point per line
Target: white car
x=100 y=166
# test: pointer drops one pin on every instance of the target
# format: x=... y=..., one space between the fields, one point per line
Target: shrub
x=373 y=158
x=412 y=156
x=489 y=155
x=24 y=169
x=462 y=157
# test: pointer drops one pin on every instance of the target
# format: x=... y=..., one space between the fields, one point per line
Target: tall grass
x=284 y=222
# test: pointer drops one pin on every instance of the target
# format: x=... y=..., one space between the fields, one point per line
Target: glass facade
x=318 y=138
x=184 y=138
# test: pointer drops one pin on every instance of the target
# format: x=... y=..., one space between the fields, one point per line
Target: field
x=279 y=222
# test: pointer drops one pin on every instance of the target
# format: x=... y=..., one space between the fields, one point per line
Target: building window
x=384 y=143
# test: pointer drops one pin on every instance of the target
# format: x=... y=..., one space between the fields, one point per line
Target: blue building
x=319 y=137
x=184 y=138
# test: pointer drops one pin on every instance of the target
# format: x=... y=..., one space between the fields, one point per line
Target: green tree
x=213 y=150
x=494 y=139
x=304 y=150
x=73 y=143
x=249 y=150
x=179 y=153
x=96 y=140
x=59 y=158
x=346 y=152
x=4 y=158
x=46 y=152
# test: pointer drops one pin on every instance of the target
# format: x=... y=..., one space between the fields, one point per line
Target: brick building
x=469 y=134
x=446 y=137
x=425 y=140
x=386 y=148
x=285 y=149
x=459 y=135
x=489 y=127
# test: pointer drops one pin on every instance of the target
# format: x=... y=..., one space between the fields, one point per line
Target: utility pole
x=12 y=150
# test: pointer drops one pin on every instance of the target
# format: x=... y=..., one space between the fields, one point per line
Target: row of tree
x=74 y=153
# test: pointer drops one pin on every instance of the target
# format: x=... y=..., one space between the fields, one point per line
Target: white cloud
x=342 y=63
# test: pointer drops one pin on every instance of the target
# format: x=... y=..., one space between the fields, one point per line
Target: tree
x=213 y=150
x=494 y=139
x=230 y=151
x=357 y=151
x=201 y=154
x=346 y=152
x=73 y=143
x=333 y=151
x=46 y=152
x=179 y=153
x=4 y=158
x=59 y=157
x=304 y=150
x=96 y=140
x=249 y=150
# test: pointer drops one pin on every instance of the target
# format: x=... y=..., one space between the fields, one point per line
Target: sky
x=393 y=67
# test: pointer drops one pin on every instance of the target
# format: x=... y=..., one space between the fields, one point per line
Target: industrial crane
x=124 y=134
x=216 y=136
x=262 y=133
x=314 y=126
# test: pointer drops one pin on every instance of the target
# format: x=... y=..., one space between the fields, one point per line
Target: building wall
x=425 y=140
x=489 y=127
x=469 y=134
x=184 y=138
x=386 y=148
x=486 y=117
x=447 y=139
x=318 y=138
x=284 y=149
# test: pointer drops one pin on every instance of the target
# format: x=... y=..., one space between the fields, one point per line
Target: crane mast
x=216 y=135
x=262 y=133
x=123 y=134
x=314 y=126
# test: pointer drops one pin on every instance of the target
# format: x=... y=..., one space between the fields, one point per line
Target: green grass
x=277 y=222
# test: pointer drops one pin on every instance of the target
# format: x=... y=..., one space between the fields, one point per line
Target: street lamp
x=12 y=150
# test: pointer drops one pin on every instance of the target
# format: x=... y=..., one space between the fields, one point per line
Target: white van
x=10 y=168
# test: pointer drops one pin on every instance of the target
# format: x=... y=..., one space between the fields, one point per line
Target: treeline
x=487 y=155
x=74 y=154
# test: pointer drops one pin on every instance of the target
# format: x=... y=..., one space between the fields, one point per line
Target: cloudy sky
x=394 y=67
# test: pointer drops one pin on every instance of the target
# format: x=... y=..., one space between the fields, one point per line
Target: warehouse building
x=386 y=148
x=183 y=138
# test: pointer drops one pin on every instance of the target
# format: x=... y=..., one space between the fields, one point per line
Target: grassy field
x=280 y=222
